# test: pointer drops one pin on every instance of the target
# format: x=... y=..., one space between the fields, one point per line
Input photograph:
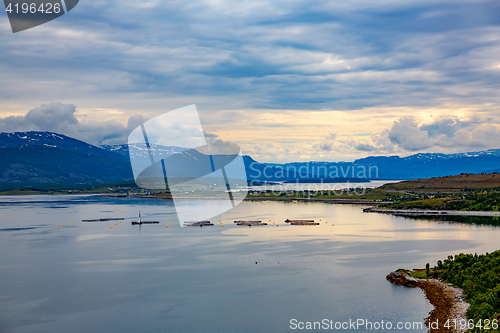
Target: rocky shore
x=448 y=301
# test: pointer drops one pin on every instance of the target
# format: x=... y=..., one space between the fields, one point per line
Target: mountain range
x=51 y=159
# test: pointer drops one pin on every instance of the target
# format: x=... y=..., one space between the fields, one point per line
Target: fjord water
x=89 y=277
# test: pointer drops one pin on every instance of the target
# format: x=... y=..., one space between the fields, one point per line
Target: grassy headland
x=479 y=278
x=466 y=192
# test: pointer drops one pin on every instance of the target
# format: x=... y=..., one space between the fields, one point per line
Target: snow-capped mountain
x=31 y=158
x=47 y=139
x=45 y=158
x=156 y=150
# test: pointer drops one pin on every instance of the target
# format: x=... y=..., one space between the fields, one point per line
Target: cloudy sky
x=286 y=80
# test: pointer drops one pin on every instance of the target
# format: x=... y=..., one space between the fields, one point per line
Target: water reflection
x=479 y=220
x=88 y=277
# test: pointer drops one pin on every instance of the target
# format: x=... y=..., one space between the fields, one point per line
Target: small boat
x=144 y=222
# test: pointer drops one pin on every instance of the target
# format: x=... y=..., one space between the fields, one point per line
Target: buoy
x=219 y=220
x=111 y=227
x=115 y=223
x=167 y=226
x=70 y=221
x=56 y=227
x=170 y=221
x=61 y=225
x=120 y=221
x=256 y=262
x=222 y=225
x=278 y=262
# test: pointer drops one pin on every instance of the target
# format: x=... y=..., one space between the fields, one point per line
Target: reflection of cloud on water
x=117 y=265
x=81 y=238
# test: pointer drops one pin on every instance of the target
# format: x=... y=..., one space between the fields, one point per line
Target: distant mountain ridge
x=417 y=166
x=45 y=158
x=428 y=165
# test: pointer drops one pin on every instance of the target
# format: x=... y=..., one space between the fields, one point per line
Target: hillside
x=50 y=159
x=466 y=192
x=449 y=183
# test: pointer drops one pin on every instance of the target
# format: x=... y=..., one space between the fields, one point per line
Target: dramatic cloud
x=447 y=126
x=60 y=118
x=445 y=132
x=407 y=135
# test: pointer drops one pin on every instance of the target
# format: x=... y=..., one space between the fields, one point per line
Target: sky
x=285 y=80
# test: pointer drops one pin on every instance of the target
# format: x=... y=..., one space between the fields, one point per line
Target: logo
x=171 y=152
x=26 y=14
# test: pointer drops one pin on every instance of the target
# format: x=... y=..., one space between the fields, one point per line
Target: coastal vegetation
x=472 y=200
x=479 y=277
x=465 y=192
x=449 y=184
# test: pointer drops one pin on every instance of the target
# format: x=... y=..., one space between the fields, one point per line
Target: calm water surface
x=89 y=277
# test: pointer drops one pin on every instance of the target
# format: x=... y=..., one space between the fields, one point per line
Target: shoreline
x=448 y=301
x=424 y=212
x=339 y=201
